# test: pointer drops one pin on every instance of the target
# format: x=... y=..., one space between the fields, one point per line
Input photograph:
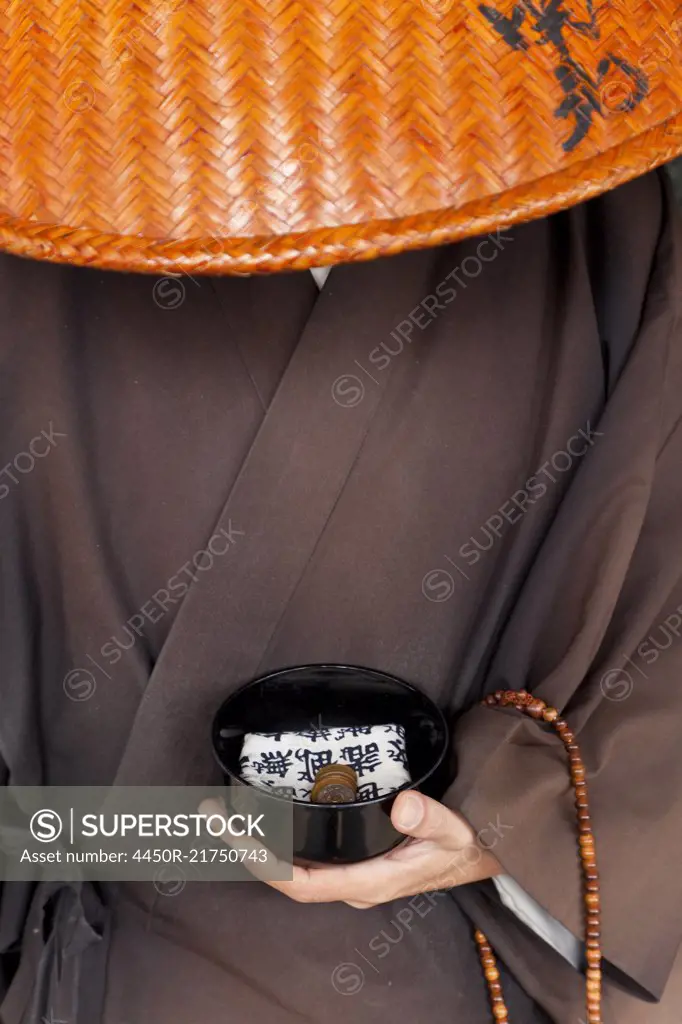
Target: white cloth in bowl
x=289 y=761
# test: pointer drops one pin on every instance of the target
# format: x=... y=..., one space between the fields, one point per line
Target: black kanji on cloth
x=293 y=759
x=288 y=792
x=316 y=735
x=364 y=757
x=368 y=791
x=273 y=762
x=312 y=760
x=353 y=731
x=396 y=751
x=613 y=86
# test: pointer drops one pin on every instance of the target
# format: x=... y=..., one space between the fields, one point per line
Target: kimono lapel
x=307 y=444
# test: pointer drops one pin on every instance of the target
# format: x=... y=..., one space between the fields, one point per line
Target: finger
x=304 y=885
x=369 y=883
x=417 y=815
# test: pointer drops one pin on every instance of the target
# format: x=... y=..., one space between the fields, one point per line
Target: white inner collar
x=320 y=274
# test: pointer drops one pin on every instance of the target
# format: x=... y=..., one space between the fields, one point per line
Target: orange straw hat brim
x=265 y=135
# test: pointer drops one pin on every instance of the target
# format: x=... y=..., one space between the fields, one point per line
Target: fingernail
x=411 y=812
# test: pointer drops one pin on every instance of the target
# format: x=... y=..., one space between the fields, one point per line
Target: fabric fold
x=603 y=646
x=62 y=974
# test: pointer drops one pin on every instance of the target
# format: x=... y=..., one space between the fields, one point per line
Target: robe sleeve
x=597 y=633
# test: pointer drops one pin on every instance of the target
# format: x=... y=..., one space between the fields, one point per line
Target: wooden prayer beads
x=536 y=708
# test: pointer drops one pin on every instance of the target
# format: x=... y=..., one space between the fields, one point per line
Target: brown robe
x=423 y=508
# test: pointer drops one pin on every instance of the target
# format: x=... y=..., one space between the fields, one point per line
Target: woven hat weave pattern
x=260 y=135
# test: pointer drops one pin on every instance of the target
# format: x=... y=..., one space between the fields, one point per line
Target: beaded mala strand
x=536 y=708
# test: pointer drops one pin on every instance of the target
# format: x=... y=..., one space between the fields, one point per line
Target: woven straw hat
x=256 y=135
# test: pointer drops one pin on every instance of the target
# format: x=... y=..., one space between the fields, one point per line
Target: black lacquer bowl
x=336 y=695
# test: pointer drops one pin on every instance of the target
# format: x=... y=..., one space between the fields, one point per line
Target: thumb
x=417 y=815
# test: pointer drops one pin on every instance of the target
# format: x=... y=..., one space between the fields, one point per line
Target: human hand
x=435 y=857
